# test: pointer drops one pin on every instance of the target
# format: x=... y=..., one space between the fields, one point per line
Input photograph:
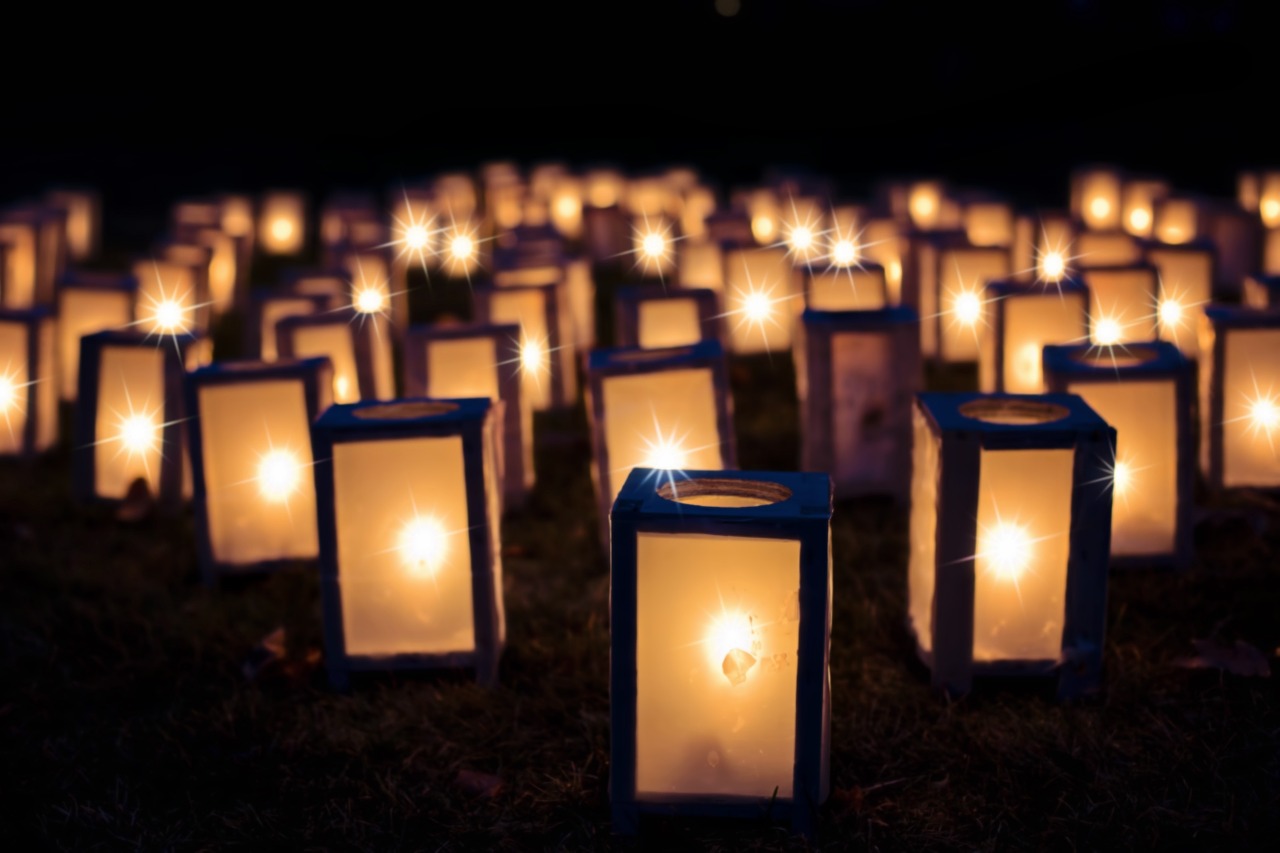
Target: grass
x=126 y=721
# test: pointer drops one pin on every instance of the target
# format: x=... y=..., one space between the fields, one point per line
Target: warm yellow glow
x=1005 y=550
x=532 y=356
x=341 y=387
x=279 y=475
x=567 y=206
x=762 y=227
x=423 y=545
x=653 y=246
x=1270 y=209
x=1170 y=313
x=844 y=252
x=968 y=308
x=168 y=316
x=801 y=237
x=1122 y=477
x=1100 y=207
x=666 y=454
x=757 y=306
x=281 y=228
x=1264 y=414
x=8 y=395
x=729 y=641
x=1054 y=265
x=462 y=247
x=138 y=433
x=922 y=204
x=1107 y=332
x=416 y=237
x=1139 y=219
x=370 y=300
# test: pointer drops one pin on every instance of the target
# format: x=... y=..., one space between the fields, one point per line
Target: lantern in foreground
x=662 y=409
x=760 y=299
x=1240 y=398
x=657 y=318
x=460 y=361
x=282 y=223
x=1185 y=275
x=89 y=302
x=1023 y=319
x=351 y=342
x=410 y=555
x=1145 y=392
x=1262 y=291
x=266 y=309
x=250 y=433
x=720 y=617
x=548 y=370
x=1010 y=522
x=1122 y=304
x=130 y=420
x=856 y=375
x=28 y=384
x=952 y=277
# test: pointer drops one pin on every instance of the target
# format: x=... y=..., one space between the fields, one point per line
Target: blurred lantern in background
x=548 y=369
x=82 y=210
x=282 y=223
x=266 y=309
x=1240 y=397
x=350 y=343
x=1122 y=304
x=1023 y=320
x=1178 y=219
x=761 y=301
x=89 y=302
x=28 y=382
x=952 y=278
x=658 y=318
x=1138 y=201
x=1096 y=198
x=1185 y=276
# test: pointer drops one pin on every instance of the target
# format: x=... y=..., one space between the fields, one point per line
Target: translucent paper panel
x=1099 y=200
x=273 y=311
x=261 y=495
x=167 y=297
x=1112 y=248
x=758 y=291
x=127 y=424
x=1122 y=305
x=962 y=277
x=462 y=367
x=882 y=243
x=222 y=268
x=717 y=632
x=1030 y=322
x=404 y=555
x=862 y=389
x=337 y=341
x=1175 y=220
x=665 y=419
x=700 y=264
x=1251 y=408
x=1023 y=539
x=1145 y=489
x=83 y=311
x=849 y=289
x=282 y=224
x=380 y=341
x=668 y=323
x=580 y=291
x=922 y=563
x=989 y=224
x=15 y=373
x=19 y=256
x=1186 y=284
x=528 y=310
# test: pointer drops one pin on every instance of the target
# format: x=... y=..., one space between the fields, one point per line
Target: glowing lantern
x=1105 y=249
x=1043 y=247
x=653 y=250
x=720 y=622
x=350 y=341
x=1262 y=291
x=282 y=223
x=668 y=409
x=88 y=302
x=82 y=210
x=460 y=249
x=1146 y=392
x=456 y=196
x=927 y=206
x=250 y=433
x=760 y=299
x=221 y=270
x=700 y=263
x=1122 y=304
x=699 y=203
x=333 y=285
x=458 y=361
x=266 y=309
x=1096 y=198
x=548 y=369
x=1010 y=519
x=1269 y=199
x=1249 y=191
x=198 y=261
x=28 y=384
x=989 y=223
x=764 y=214
x=1138 y=205
x=1178 y=219
x=856 y=373
x=883 y=242
x=33 y=251
x=565 y=206
x=1023 y=319
x=130 y=422
x=952 y=276
x=1185 y=275
x=169 y=301
x=654 y=318
x=580 y=291
x=410 y=554
x=846 y=287
x=384 y=311
x=1240 y=398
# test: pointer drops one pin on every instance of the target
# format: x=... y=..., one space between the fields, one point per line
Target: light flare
x=279 y=475
x=422 y=545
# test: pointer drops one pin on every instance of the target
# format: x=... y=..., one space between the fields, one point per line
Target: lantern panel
x=848 y=289
x=758 y=299
x=282 y=223
x=863 y=378
x=335 y=340
x=1251 y=408
x=18 y=251
x=130 y=412
x=1177 y=220
x=1122 y=304
x=669 y=323
x=883 y=243
x=1262 y=291
x=717 y=629
x=15 y=376
x=1185 y=284
x=700 y=263
x=1271 y=252
x=462 y=367
x=273 y=310
x=167 y=297
x=922 y=562
x=82 y=311
x=1028 y=321
x=1105 y=249
x=989 y=223
x=580 y=293
x=1096 y=198
x=404 y=553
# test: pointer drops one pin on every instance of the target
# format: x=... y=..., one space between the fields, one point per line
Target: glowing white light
x=1100 y=207
x=801 y=237
x=653 y=246
x=1107 y=331
x=757 y=306
x=1270 y=209
x=762 y=228
x=279 y=475
x=1170 y=313
x=666 y=454
x=1005 y=550
x=844 y=252
x=462 y=247
x=567 y=206
x=922 y=204
x=281 y=229
x=1053 y=265
x=8 y=394
x=342 y=389
x=416 y=237
x=370 y=300
x=532 y=355
x=1264 y=414
x=138 y=433
x=729 y=642
x=1122 y=477
x=423 y=544
x=967 y=308
x=168 y=316
x=1139 y=219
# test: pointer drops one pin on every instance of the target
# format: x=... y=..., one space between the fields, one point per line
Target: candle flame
x=967 y=308
x=801 y=237
x=730 y=638
x=168 y=317
x=281 y=228
x=533 y=355
x=844 y=252
x=138 y=433
x=1264 y=413
x=666 y=454
x=1270 y=210
x=423 y=544
x=8 y=394
x=1053 y=265
x=1139 y=219
x=279 y=475
x=416 y=237
x=461 y=247
x=1100 y=207
x=1122 y=477
x=1107 y=331
x=370 y=300
x=1005 y=550
x=762 y=227
x=1170 y=313
x=653 y=246
x=757 y=306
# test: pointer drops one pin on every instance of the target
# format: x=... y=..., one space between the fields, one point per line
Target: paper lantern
x=720 y=617
x=566 y=206
x=1023 y=319
x=668 y=409
x=1240 y=398
x=1178 y=219
x=1105 y=249
x=28 y=383
x=383 y=312
x=33 y=248
x=1146 y=393
x=580 y=292
x=1122 y=304
x=1096 y=197
x=459 y=361
x=88 y=302
x=989 y=222
x=82 y=210
x=1249 y=191
x=1043 y=247
x=658 y=318
x=1010 y=522
x=653 y=252
x=761 y=300
x=266 y=309
x=1138 y=200
x=199 y=260
x=410 y=554
x=856 y=374
x=350 y=340
x=928 y=208
x=169 y=299
x=700 y=264
x=222 y=273
x=848 y=286
x=699 y=203
x=952 y=276
x=548 y=371
x=282 y=223
x=883 y=242
x=1262 y=291
x=250 y=435
x=1185 y=274
x=130 y=421
x=1269 y=198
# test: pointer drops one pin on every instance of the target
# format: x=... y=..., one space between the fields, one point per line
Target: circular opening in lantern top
x=405 y=411
x=723 y=493
x=642 y=356
x=1013 y=412
x=1129 y=355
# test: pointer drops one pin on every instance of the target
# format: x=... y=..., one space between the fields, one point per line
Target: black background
x=203 y=98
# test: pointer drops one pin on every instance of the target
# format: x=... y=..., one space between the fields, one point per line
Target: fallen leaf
x=1239 y=659
x=137 y=503
x=478 y=784
x=268 y=653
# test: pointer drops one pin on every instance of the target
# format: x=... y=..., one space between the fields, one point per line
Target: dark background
x=1008 y=98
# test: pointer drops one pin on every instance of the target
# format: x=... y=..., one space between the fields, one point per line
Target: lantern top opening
x=749 y=496
x=1009 y=420
x=1013 y=411
x=405 y=410
x=634 y=359
x=720 y=492
x=375 y=416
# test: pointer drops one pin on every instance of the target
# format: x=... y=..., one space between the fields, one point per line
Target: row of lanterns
x=1100 y=356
